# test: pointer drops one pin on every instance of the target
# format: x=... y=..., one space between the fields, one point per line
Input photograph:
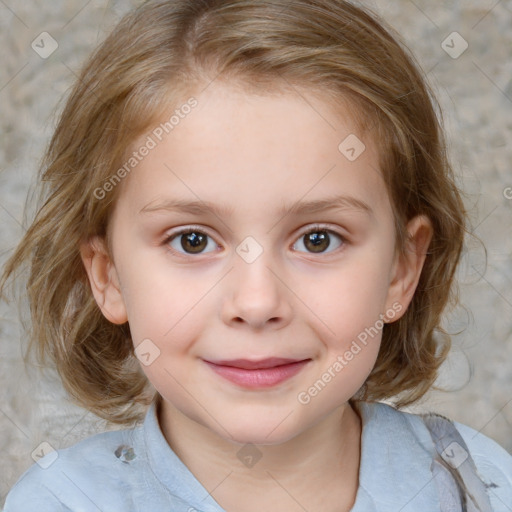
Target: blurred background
x=464 y=47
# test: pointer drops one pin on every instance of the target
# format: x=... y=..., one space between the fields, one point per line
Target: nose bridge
x=257 y=294
x=253 y=263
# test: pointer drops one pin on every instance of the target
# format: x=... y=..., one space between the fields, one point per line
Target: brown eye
x=319 y=240
x=189 y=241
x=194 y=241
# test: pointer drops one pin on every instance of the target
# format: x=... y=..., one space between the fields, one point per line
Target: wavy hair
x=157 y=54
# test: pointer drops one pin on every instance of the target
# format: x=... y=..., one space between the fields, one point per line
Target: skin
x=254 y=154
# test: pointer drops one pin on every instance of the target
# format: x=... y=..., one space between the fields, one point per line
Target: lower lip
x=261 y=378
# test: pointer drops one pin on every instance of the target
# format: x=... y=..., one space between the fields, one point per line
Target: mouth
x=263 y=373
x=247 y=364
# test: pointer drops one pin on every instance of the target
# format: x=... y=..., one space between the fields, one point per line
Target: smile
x=257 y=374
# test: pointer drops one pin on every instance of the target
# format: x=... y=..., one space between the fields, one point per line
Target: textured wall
x=475 y=90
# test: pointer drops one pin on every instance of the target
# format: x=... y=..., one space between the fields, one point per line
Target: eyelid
x=320 y=227
x=311 y=228
x=187 y=229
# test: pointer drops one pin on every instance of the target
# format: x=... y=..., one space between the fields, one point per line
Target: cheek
x=353 y=296
x=165 y=322
x=162 y=305
x=349 y=307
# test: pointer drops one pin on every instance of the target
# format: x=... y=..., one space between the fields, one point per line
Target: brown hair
x=155 y=55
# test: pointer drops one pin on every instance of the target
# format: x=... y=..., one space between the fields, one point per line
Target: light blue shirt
x=135 y=470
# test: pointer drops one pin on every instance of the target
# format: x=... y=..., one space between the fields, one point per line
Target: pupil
x=317 y=239
x=195 y=240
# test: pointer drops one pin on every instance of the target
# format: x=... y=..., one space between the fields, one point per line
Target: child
x=251 y=226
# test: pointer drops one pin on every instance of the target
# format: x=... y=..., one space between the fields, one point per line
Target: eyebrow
x=222 y=210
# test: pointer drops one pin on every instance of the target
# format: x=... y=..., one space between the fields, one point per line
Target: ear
x=104 y=280
x=408 y=265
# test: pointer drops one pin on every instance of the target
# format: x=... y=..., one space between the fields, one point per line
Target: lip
x=263 y=373
x=247 y=364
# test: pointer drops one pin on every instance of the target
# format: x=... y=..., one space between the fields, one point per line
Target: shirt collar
x=169 y=468
x=396 y=455
x=394 y=472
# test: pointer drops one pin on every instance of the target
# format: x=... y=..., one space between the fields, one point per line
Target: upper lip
x=247 y=364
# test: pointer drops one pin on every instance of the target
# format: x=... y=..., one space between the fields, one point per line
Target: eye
x=191 y=240
x=318 y=239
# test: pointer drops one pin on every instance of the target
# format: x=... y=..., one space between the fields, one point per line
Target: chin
x=258 y=432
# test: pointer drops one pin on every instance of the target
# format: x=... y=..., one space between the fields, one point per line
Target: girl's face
x=258 y=173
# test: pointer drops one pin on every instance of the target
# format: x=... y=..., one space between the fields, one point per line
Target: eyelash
x=194 y=229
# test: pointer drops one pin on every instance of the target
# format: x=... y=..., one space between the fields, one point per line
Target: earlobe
x=104 y=280
x=409 y=264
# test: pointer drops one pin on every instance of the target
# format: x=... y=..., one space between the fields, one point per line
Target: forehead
x=255 y=151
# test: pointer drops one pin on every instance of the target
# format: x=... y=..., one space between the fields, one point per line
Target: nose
x=256 y=296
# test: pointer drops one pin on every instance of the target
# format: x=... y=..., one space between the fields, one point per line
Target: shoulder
x=493 y=463
x=482 y=447
x=73 y=477
x=490 y=458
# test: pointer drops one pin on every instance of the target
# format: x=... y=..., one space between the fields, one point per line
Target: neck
x=316 y=470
